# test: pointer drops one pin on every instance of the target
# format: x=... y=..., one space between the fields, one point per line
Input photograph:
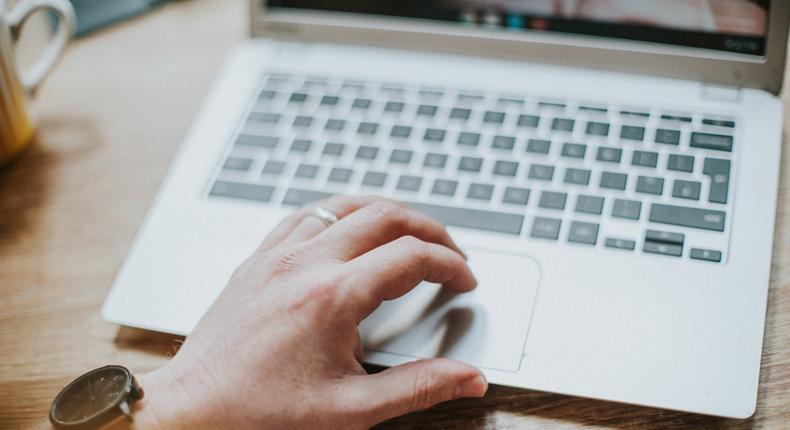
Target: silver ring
x=326 y=216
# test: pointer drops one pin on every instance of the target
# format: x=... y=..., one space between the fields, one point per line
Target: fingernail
x=475 y=386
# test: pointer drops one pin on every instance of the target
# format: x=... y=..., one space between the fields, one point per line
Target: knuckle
x=287 y=261
x=424 y=391
x=389 y=213
x=415 y=248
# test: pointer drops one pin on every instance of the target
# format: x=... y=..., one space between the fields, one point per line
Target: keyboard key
x=505 y=168
x=718 y=123
x=541 y=172
x=668 y=137
x=645 y=159
x=593 y=109
x=374 y=179
x=301 y=145
x=267 y=95
x=330 y=101
x=367 y=153
x=361 y=104
x=583 y=232
x=663 y=249
x=401 y=156
x=615 y=181
x=340 y=175
x=553 y=200
x=367 y=128
x=627 y=209
x=687 y=217
x=298 y=98
x=678 y=118
x=261 y=193
x=719 y=172
x=650 y=185
x=635 y=114
x=480 y=191
x=624 y=244
x=427 y=110
x=538 y=146
x=237 y=163
x=472 y=218
x=665 y=236
x=504 y=142
x=434 y=135
x=400 y=131
x=562 y=124
x=516 y=196
x=468 y=98
x=546 y=228
x=435 y=160
x=577 y=176
x=334 y=149
x=609 y=155
x=306 y=171
x=302 y=121
x=273 y=168
x=494 y=117
x=686 y=190
x=589 y=205
x=460 y=113
x=470 y=164
x=264 y=117
x=530 y=121
x=297 y=197
x=468 y=139
x=394 y=107
x=444 y=187
x=681 y=163
x=706 y=255
x=630 y=132
x=574 y=150
x=716 y=142
x=335 y=124
x=269 y=142
x=409 y=183
x=597 y=128
x=551 y=105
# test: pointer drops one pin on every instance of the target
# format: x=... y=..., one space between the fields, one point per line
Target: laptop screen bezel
x=698 y=64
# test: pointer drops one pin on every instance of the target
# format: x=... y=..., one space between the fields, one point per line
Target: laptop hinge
x=721 y=93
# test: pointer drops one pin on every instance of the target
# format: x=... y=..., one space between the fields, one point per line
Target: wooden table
x=111 y=120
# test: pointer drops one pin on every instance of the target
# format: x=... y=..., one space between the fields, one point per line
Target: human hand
x=280 y=347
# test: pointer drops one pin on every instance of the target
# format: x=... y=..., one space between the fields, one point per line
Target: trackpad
x=486 y=328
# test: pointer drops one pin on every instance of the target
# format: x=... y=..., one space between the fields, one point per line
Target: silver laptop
x=610 y=166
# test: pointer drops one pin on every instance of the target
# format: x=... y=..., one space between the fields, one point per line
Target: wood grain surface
x=111 y=120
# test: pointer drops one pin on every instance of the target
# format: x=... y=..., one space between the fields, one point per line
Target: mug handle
x=65 y=31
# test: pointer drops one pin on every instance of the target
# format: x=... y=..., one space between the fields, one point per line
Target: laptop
x=610 y=167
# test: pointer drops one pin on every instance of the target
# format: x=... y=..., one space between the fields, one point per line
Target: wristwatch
x=95 y=399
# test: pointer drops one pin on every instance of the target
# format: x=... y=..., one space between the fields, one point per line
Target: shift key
x=687 y=217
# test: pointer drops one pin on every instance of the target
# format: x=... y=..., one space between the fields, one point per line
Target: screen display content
x=725 y=25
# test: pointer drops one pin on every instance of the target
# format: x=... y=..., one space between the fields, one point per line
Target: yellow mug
x=16 y=122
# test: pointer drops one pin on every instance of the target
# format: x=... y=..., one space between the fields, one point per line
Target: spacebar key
x=687 y=217
x=472 y=218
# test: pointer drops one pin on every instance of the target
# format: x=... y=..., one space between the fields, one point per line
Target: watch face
x=91 y=394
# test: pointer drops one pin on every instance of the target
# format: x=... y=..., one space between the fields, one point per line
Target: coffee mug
x=16 y=123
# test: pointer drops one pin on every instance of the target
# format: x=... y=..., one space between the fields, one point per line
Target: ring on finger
x=326 y=216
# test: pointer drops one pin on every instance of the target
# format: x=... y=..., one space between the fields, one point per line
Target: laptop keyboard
x=622 y=178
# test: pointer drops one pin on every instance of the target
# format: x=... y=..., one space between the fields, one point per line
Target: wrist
x=170 y=403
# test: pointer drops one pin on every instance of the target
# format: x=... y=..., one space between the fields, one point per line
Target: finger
x=394 y=269
x=339 y=205
x=412 y=387
x=379 y=223
x=312 y=226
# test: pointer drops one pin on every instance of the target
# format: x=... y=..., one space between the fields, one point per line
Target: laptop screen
x=726 y=25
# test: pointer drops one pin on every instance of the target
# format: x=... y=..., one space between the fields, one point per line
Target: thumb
x=414 y=386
